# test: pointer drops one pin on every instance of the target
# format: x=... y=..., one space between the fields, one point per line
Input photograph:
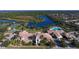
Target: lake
x=46 y=22
x=7 y=21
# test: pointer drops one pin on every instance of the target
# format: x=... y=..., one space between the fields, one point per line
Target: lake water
x=46 y=22
x=3 y=26
x=7 y=21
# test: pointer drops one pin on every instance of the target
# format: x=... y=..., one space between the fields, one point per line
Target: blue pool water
x=56 y=28
x=46 y=21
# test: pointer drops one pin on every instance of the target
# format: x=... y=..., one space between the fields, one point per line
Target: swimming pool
x=56 y=28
